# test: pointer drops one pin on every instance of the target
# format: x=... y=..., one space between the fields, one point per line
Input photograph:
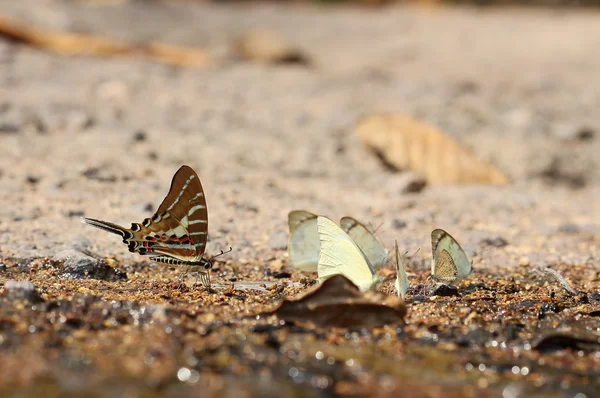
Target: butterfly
x=339 y=254
x=178 y=230
x=303 y=244
x=450 y=264
x=368 y=243
x=402 y=283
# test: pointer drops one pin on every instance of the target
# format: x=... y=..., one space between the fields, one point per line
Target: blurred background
x=277 y=106
x=102 y=101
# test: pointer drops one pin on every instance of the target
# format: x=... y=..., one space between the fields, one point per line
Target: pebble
x=140 y=136
x=445 y=291
x=9 y=128
x=399 y=224
x=77 y=265
x=80 y=243
x=495 y=242
x=21 y=290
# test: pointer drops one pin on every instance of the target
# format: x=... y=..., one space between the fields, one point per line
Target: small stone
x=495 y=242
x=278 y=241
x=94 y=173
x=445 y=291
x=547 y=308
x=76 y=265
x=75 y=213
x=281 y=275
x=140 y=136
x=32 y=179
x=414 y=186
x=595 y=296
x=524 y=261
x=398 y=224
x=21 y=290
x=569 y=228
x=585 y=134
x=9 y=128
x=81 y=243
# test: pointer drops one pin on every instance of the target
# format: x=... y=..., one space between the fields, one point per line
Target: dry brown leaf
x=267 y=47
x=337 y=302
x=406 y=143
x=75 y=43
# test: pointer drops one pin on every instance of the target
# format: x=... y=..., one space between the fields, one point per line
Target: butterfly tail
x=107 y=226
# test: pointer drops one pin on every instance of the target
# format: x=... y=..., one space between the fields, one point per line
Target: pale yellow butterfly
x=303 y=244
x=339 y=254
x=402 y=283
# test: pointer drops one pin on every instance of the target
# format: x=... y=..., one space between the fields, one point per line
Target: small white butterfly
x=303 y=244
x=402 y=283
x=450 y=264
x=368 y=243
x=339 y=254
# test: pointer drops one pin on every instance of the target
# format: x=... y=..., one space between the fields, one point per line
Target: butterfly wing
x=303 y=244
x=340 y=255
x=368 y=243
x=402 y=283
x=178 y=228
x=450 y=264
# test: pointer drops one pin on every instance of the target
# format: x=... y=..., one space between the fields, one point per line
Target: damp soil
x=102 y=137
x=504 y=332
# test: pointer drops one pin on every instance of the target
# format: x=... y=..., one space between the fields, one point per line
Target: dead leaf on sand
x=406 y=143
x=337 y=302
x=83 y=44
x=268 y=47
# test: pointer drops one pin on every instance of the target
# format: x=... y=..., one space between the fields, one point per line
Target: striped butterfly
x=339 y=254
x=178 y=230
x=450 y=264
x=303 y=244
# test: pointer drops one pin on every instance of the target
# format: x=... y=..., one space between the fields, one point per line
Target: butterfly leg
x=181 y=276
x=206 y=279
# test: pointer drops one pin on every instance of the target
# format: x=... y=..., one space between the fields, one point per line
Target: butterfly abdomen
x=175 y=261
x=167 y=260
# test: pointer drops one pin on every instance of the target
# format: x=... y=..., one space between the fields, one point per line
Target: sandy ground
x=83 y=136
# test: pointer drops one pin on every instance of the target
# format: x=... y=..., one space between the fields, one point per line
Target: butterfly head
x=207 y=264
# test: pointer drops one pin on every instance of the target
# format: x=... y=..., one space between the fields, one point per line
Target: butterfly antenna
x=479 y=253
x=376 y=229
x=411 y=257
x=220 y=254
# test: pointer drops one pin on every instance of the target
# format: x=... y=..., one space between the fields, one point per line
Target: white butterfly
x=339 y=254
x=303 y=244
x=402 y=283
x=368 y=243
x=450 y=264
